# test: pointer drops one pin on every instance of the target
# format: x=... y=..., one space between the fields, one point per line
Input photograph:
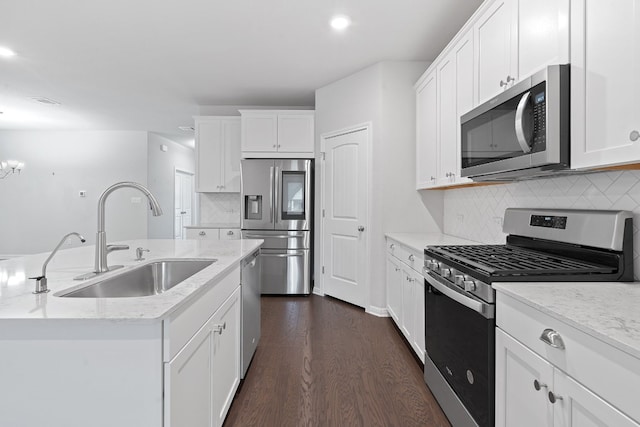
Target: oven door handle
x=486 y=310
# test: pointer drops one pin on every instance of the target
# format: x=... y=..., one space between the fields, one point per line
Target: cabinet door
x=543 y=34
x=408 y=305
x=518 y=403
x=394 y=289
x=418 y=343
x=495 y=47
x=231 y=162
x=259 y=132
x=447 y=123
x=465 y=79
x=209 y=149
x=202 y=233
x=229 y=233
x=188 y=383
x=295 y=133
x=427 y=133
x=579 y=407
x=225 y=324
x=605 y=88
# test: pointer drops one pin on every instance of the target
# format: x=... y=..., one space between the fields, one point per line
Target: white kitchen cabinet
x=495 y=35
x=530 y=391
x=226 y=356
x=278 y=133
x=605 y=87
x=427 y=155
x=217 y=154
x=203 y=233
x=394 y=288
x=405 y=293
x=515 y=38
x=582 y=381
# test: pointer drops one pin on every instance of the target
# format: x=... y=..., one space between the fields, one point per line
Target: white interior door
x=183 y=203
x=345 y=221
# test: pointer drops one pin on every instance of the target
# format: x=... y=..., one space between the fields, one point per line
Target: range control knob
x=459 y=280
x=469 y=285
x=446 y=272
x=432 y=265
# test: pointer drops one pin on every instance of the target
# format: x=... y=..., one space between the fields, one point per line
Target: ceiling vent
x=187 y=128
x=44 y=100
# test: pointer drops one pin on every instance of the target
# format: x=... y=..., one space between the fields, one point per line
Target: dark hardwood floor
x=322 y=362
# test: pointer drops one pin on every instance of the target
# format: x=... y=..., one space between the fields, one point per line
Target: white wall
x=476 y=213
x=161 y=180
x=42 y=204
x=383 y=95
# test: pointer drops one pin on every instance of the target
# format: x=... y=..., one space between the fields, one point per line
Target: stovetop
x=507 y=260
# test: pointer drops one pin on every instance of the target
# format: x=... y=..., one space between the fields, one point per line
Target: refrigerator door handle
x=276 y=206
x=271 y=203
x=283 y=255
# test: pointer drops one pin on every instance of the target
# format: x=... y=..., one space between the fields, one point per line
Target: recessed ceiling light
x=186 y=128
x=6 y=52
x=340 y=22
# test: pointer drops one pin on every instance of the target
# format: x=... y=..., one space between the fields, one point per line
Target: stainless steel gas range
x=542 y=245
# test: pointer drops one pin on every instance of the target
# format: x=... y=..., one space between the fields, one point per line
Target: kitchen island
x=159 y=360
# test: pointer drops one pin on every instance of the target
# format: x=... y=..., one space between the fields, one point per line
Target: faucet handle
x=111 y=248
x=139 y=252
x=41 y=284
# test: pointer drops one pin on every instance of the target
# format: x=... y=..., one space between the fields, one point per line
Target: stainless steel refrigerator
x=277 y=206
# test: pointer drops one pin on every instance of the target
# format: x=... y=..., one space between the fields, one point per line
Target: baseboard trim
x=377 y=311
x=317 y=291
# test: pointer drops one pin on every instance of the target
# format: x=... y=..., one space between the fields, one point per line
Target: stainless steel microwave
x=521 y=133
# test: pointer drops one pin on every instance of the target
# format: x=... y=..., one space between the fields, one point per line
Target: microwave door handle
x=522 y=139
x=271 y=201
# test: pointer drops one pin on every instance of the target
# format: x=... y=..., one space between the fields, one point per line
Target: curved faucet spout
x=101 y=239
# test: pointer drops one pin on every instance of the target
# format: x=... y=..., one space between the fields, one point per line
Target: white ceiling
x=150 y=64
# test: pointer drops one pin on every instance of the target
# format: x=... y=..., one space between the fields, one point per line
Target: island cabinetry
x=548 y=373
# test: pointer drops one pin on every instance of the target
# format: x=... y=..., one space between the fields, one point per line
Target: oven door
x=460 y=340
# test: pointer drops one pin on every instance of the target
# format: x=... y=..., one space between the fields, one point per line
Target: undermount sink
x=149 y=279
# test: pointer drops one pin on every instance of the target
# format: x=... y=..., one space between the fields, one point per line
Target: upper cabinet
x=278 y=133
x=217 y=154
x=502 y=43
x=516 y=38
x=605 y=83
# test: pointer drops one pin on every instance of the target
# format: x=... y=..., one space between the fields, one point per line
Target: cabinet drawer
x=610 y=373
x=229 y=233
x=181 y=326
x=411 y=257
x=202 y=233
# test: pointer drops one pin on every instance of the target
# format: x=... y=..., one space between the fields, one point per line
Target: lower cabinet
x=405 y=294
x=213 y=233
x=201 y=380
x=550 y=374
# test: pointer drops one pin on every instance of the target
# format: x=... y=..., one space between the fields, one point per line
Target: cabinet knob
x=360 y=228
x=412 y=258
x=397 y=269
x=538 y=385
x=202 y=233
x=510 y=79
x=433 y=178
x=229 y=233
x=219 y=328
x=392 y=246
x=552 y=338
x=553 y=398
x=503 y=83
x=274 y=145
x=634 y=135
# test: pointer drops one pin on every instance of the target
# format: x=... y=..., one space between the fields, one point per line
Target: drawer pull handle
x=202 y=233
x=553 y=398
x=552 y=338
x=412 y=258
x=538 y=385
x=229 y=233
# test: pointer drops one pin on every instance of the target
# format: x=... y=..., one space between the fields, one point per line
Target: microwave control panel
x=538 y=96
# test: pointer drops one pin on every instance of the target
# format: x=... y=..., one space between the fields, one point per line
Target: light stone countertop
x=609 y=311
x=18 y=302
x=215 y=225
x=419 y=241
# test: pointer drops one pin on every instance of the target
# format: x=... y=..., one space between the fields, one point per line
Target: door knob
x=634 y=135
x=360 y=228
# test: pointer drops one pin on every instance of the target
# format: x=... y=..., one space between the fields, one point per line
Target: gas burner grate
x=506 y=260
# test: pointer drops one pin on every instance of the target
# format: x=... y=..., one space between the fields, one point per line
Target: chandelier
x=9 y=167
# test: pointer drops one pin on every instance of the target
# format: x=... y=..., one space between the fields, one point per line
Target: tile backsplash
x=476 y=213
x=219 y=208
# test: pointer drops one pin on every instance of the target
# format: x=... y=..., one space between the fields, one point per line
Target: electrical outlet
x=498 y=220
x=460 y=218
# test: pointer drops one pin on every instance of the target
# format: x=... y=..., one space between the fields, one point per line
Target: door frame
x=195 y=203
x=368 y=126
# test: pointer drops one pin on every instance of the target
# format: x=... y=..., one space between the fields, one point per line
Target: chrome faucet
x=41 y=281
x=102 y=249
